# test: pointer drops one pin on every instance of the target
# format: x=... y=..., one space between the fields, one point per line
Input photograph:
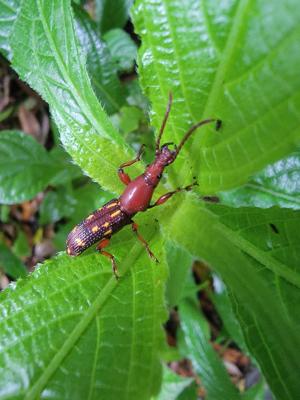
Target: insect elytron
x=114 y=215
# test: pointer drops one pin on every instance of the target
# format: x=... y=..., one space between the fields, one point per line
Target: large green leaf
x=10 y=263
x=101 y=65
x=179 y=262
x=87 y=198
x=195 y=344
x=234 y=60
x=25 y=167
x=277 y=185
x=122 y=48
x=72 y=331
x=52 y=62
x=172 y=385
x=112 y=14
x=256 y=252
x=8 y=13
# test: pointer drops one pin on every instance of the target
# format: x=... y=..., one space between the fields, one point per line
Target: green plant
x=70 y=330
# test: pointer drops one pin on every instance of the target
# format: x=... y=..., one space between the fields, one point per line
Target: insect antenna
x=190 y=131
x=157 y=145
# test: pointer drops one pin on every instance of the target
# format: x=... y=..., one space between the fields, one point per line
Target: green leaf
x=101 y=65
x=56 y=205
x=8 y=13
x=179 y=262
x=257 y=392
x=11 y=264
x=190 y=393
x=237 y=61
x=195 y=344
x=112 y=14
x=172 y=385
x=136 y=97
x=25 y=167
x=87 y=198
x=66 y=328
x=256 y=253
x=21 y=246
x=130 y=118
x=122 y=48
x=6 y=113
x=221 y=300
x=4 y=213
x=277 y=185
x=67 y=171
x=55 y=66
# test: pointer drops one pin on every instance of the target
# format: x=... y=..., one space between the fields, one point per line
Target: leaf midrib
x=60 y=64
x=280 y=270
x=90 y=314
x=280 y=195
x=227 y=56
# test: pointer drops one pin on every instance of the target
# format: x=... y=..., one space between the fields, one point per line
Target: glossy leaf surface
x=8 y=15
x=70 y=307
x=56 y=205
x=55 y=66
x=277 y=185
x=122 y=48
x=172 y=385
x=10 y=263
x=87 y=199
x=112 y=14
x=25 y=167
x=101 y=65
x=209 y=55
x=195 y=344
x=260 y=266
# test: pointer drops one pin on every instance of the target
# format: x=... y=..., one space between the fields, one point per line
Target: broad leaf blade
x=8 y=15
x=179 y=263
x=195 y=344
x=10 y=263
x=221 y=299
x=101 y=65
x=237 y=61
x=122 y=48
x=261 y=269
x=71 y=323
x=25 y=167
x=172 y=385
x=277 y=185
x=54 y=65
x=112 y=14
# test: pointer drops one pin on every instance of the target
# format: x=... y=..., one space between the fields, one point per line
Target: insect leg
x=134 y=227
x=168 y=195
x=103 y=243
x=125 y=178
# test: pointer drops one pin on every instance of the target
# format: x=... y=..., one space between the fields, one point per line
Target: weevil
x=137 y=196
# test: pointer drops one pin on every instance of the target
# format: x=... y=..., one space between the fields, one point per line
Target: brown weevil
x=114 y=215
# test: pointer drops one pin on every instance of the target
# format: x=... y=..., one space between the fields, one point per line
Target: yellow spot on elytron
x=108 y=232
x=79 y=242
x=95 y=229
x=112 y=205
x=115 y=213
x=105 y=225
x=90 y=217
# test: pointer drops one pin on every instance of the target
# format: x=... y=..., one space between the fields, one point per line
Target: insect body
x=114 y=215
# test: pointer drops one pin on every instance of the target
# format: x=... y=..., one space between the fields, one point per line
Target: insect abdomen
x=102 y=223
